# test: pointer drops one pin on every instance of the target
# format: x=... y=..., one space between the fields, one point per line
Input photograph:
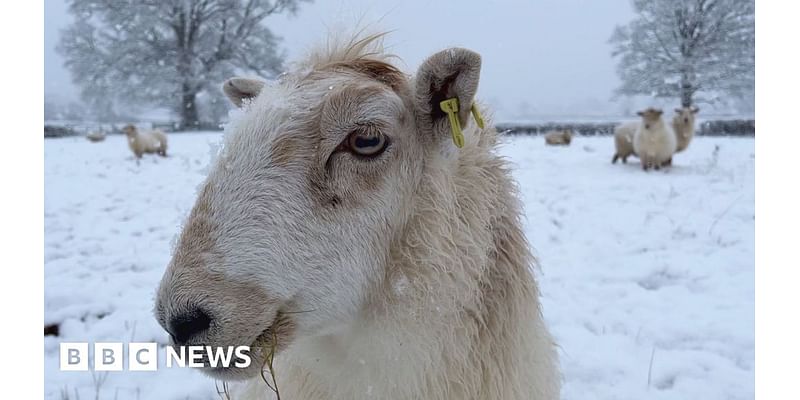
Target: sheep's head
x=129 y=130
x=686 y=115
x=651 y=118
x=291 y=232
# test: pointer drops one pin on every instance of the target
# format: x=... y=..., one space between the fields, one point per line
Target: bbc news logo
x=144 y=356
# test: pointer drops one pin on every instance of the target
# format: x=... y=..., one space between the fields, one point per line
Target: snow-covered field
x=647 y=278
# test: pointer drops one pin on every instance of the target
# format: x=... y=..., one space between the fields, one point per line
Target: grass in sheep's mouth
x=268 y=363
x=269 y=340
x=267 y=344
x=223 y=393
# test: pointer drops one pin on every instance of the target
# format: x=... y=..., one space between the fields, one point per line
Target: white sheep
x=558 y=137
x=372 y=256
x=654 y=141
x=623 y=141
x=683 y=125
x=140 y=143
x=96 y=136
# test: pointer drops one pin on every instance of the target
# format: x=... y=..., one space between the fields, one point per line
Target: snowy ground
x=647 y=278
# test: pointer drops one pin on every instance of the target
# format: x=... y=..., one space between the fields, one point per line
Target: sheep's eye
x=366 y=145
x=646 y=126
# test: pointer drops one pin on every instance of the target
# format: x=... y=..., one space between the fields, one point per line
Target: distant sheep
x=683 y=125
x=654 y=141
x=558 y=137
x=96 y=136
x=146 y=142
x=623 y=141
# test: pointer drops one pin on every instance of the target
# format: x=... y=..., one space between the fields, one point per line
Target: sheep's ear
x=640 y=113
x=658 y=112
x=450 y=74
x=240 y=89
x=695 y=110
x=678 y=110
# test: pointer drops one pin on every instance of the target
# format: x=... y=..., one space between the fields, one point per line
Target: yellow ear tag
x=477 y=115
x=450 y=106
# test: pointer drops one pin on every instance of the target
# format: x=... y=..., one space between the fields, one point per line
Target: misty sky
x=540 y=57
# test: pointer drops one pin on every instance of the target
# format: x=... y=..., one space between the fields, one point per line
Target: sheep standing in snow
x=623 y=141
x=683 y=125
x=654 y=141
x=154 y=141
x=558 y=137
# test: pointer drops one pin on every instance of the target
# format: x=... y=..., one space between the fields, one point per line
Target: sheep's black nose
x=183 y=326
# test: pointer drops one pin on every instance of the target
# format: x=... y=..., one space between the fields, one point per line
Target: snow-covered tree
x=167 y=52
x=693 y=50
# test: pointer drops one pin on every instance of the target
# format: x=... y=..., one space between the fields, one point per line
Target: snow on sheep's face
x=290 y=234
